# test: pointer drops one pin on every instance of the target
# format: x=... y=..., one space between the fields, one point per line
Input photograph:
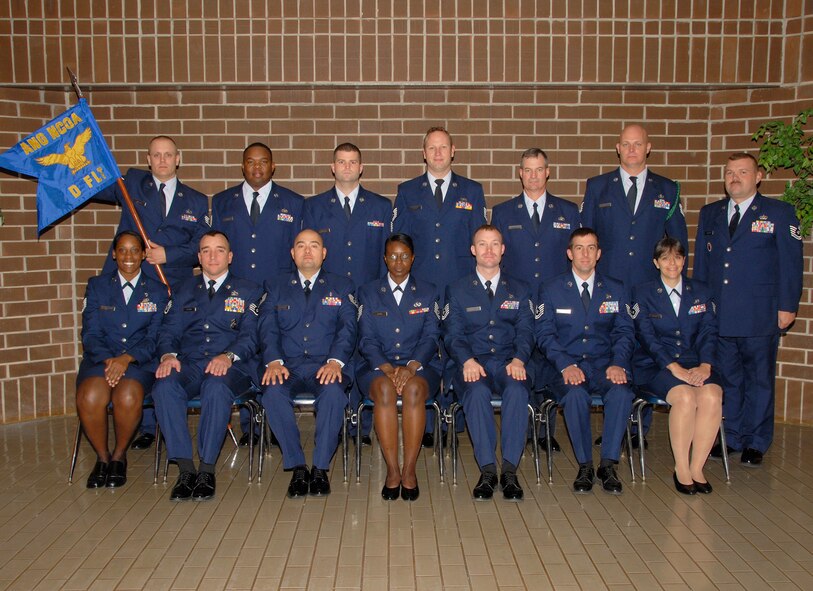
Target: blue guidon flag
x=69 y=158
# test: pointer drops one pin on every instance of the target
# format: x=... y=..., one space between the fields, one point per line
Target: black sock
x=489 y=469
x=508 y=467
x=185 y=465
x=605 y=462
x=586 y=465
x=210 y=468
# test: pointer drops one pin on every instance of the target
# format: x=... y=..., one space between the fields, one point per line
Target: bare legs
x=385 y=417
x=92 y=398
x=693 y=424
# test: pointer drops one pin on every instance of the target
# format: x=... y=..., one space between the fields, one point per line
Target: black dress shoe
x=117 y=474
x=485 y=486
x=320 y=485
x=366 y=440
x=598 y=441
x=636 y=442
x=390 y=494
x=98 y=476
x=300 y=481
x=182 y=490
x=143 y=441
x=584 y=480
x=554 y=445
x=511 y=490
x=244 y=439
x=717 y=451
x=410 y=494
x=609 y=480
x=204 y=486
x=702 y=487
x=684 y=489
x=751 y=457
x=428 y=440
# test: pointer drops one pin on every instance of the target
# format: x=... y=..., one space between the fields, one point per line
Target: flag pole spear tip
x=75 y=84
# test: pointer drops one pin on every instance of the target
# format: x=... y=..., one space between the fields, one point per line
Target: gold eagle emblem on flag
x=73 y=156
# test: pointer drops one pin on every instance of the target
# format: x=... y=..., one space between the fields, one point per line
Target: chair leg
x=638 y=410
x=232 y=435
x=252 y=419
x=453 y=408
x=535 y=443
x=543 y=415
x=345 y=446
x=724 y=447
x=439 y=420
x=75 y=455
x=263 y=431
x=157 y=466
x=629 y=449
x=359 y=410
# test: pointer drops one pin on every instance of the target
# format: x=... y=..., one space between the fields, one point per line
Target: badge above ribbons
x=70 y=159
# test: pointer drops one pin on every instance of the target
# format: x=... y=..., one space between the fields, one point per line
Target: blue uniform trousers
x=476 y=399
x=331 y=400
x=747 y=366
x=217 y=393
x=576 y=402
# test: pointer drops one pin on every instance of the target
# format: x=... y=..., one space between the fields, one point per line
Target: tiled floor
x=755 y=533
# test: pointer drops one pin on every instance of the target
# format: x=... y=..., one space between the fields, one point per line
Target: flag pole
x=127 y=199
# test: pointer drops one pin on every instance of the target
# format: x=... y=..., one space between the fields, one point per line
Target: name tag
x=605 y=205
x=107 y=308
x=509 y=305
x=331 y=301
x=236 y=305
x=608 y=308
x=564 y=310
x=517 y=227
x=762 y=227
x=382 y=314
x=147 y=306
x=285 y=217
x=654 y=315
x=282 y=307
x=375 y=224
x=190 y=309
x=473 y=309
x=415 y=207
x=229 y=219
x=324 y=231
x=697 y=309
x=418 y=311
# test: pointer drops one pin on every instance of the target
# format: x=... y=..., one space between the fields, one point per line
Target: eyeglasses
x=403 y=257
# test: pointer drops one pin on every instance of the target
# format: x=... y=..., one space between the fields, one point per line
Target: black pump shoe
x=684 y=489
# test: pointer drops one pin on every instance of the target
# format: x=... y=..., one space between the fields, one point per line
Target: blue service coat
x=477 y=327
x=595 y=339
x=688 y=338
x=179 y=233
x=261 y=252
x=111 y=327
x=398 y=334
x=755 y=273
x=628 y=241
x=198 y=329
x=355 y=247
x=442 y=236
x=321 y=328
x=535 y=255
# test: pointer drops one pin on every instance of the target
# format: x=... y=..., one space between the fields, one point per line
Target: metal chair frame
x=245 y=400
x=496 y=405
x=366 y=403
x=302 y=402
x=645 y=399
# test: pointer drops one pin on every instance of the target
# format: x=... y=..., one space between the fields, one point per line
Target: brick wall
x=502 y=76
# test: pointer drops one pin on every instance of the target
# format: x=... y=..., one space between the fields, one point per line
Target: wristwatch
x=230 y=355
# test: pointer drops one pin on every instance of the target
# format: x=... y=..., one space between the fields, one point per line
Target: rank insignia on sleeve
x=168 y=307
x=795 y=232
x=392 y=221
x=353 y=300
x=539 y=312
x=437 y=310
x=359 y=312
x=445 y=312
x=633 y=311
x=84 y=303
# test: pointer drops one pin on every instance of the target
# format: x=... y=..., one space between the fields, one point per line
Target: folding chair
x=245 y=400
x=368 y=404
x=496 y=404
x=644 y=399
x=305 y=402
x=148 y=403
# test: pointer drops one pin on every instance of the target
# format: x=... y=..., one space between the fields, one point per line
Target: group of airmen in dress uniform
x=347 y=295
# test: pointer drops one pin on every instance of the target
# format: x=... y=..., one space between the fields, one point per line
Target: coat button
x=253 y=235
x=206 y=326
x=397 y=345
x=586 y=327
x=208 y=339
x=124 y=340
x=437 y=256
x=493 y=350
x=124 y=325
x=307 y=325
x=725 y=281
x=253 y=265
x=253 y=250
x=397 y=330
x=398 y=358
x=349 y=243
x=491 y=322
